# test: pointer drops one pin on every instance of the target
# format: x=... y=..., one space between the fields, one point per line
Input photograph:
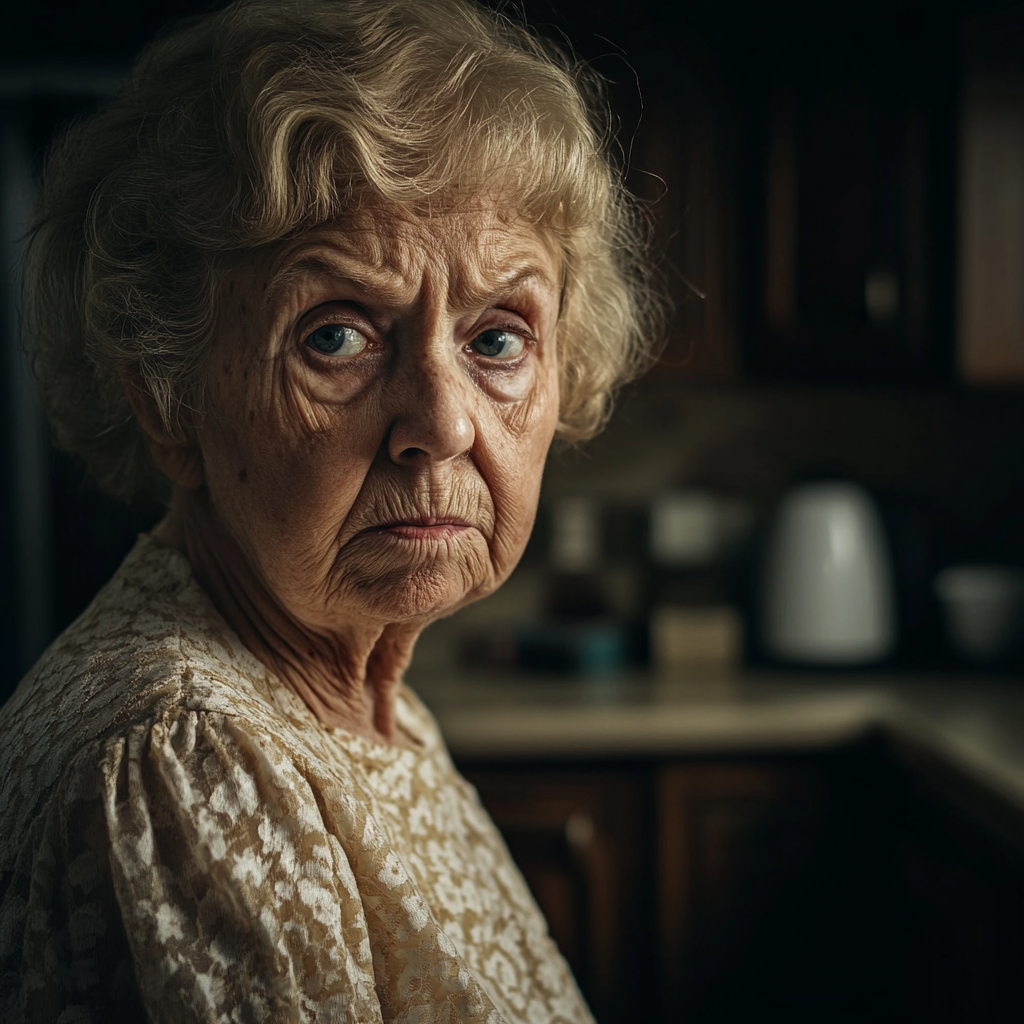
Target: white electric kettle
x=826 y=589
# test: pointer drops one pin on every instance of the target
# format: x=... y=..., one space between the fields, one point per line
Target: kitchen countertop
x=973 y=724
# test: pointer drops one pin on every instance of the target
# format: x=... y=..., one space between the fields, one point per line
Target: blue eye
x=337 y=340
x=498 y=344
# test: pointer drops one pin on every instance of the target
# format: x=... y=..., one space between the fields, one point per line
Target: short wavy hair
x=247 y=126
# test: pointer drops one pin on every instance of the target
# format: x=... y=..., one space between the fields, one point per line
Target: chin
x=414 y=582
x=413 y=594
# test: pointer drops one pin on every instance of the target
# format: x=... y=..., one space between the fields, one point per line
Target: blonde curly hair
x=260 y=121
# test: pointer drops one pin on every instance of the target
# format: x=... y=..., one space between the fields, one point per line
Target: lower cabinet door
x=800 y=889
x=961 y=849
x=580 y=838
x=741 y=882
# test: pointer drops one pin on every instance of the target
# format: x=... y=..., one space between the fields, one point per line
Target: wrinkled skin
x=334 y=503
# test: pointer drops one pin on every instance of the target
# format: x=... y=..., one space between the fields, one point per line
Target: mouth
x=423 y=527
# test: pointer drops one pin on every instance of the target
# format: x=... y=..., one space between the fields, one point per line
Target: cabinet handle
x=579 y=830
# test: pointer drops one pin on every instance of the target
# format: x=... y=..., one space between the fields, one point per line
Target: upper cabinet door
x=682 y=164
x=847 y=225
x=990 y=266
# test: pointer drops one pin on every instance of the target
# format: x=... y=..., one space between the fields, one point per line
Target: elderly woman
x=329 y=277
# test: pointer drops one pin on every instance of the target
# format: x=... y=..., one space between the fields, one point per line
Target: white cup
x=984 y=609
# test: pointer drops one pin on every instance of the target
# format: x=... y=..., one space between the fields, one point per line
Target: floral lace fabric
x=181 y=840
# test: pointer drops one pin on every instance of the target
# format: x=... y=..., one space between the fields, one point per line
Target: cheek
x=517 y=468
x=283 y=479
x=510 y=384
x=306 y=488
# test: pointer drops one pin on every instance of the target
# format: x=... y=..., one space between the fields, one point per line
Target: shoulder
x=245 y=878
x=196 y=841
x=150 y=645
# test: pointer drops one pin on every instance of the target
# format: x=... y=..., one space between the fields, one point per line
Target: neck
x=348 y=678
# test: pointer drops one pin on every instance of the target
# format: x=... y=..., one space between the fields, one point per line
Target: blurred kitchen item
x=597 y=647
x=685 y=528
x=574 y=589
x=983 y=607
x=827 y=593
x=694 y=536
x=690 y=528
x=575 y=535
x=579 y=632
x=684 y=638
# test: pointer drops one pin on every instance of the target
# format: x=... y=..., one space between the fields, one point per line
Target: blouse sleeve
x=190 y=870
x=237 y=902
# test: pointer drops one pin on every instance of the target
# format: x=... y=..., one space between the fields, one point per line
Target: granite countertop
x=976 y=724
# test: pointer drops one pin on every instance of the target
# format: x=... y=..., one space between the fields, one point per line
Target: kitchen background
x=837 y=202
x=837 y=193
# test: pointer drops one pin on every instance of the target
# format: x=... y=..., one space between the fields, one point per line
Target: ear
x=180 y=460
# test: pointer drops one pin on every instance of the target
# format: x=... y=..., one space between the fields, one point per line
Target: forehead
x=470 y=252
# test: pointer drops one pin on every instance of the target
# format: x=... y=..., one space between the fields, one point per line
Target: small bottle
x=580 y=633
x=692 y=621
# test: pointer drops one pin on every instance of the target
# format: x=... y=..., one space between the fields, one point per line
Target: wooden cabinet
x=693 y=890
x=857 y=885
x=990 y=265
x=737 y=848
x=961 y=851
x=849 y=200
x=685 y=146
x=800 y=161
x=580 y=837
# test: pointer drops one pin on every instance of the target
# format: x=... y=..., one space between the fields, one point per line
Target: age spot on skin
x=243 y=475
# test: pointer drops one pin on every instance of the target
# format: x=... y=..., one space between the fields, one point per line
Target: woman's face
x=382 y=396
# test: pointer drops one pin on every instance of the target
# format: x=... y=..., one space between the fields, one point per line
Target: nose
x=433 y=419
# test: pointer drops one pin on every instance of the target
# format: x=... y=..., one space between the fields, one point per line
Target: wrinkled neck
x=349 y=678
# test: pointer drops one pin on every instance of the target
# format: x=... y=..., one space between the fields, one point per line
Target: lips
x=422 y=527
x=426 y=521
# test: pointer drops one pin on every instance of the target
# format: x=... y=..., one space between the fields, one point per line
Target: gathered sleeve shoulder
x=192 y=868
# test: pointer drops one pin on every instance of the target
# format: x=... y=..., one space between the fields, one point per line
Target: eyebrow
x=319 y=264
x=311 y=263
x=522 y=276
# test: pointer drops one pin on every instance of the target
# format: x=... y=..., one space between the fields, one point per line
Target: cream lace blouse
x=181 y=840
